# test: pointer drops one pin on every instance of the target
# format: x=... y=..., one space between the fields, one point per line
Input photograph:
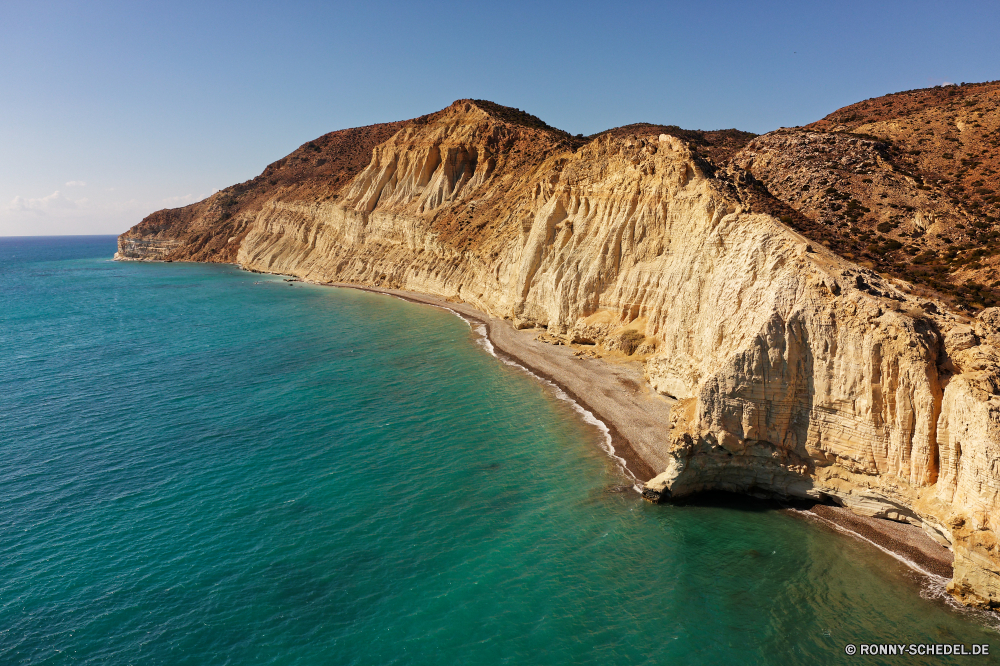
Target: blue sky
x=111 y=110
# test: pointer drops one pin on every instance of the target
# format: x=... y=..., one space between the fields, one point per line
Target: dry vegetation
x=905 y=183
x=717 y=146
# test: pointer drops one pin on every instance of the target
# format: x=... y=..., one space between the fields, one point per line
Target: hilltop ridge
x=905 y=183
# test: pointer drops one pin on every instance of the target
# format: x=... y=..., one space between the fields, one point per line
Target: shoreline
x=906 y=543
x=632 y=463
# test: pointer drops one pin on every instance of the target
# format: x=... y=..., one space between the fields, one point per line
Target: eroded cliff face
x=796 y=372
x=213 y=229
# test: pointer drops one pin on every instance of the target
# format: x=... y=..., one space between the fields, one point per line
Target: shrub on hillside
x=629 y=341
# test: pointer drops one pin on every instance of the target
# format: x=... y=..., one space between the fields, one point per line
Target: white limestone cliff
x=797 y=373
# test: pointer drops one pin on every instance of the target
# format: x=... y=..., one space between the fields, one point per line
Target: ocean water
x=206 y=466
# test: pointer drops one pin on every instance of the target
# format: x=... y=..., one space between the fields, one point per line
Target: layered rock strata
x=795 y=371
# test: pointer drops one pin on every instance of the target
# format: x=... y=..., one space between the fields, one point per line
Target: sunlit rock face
x=796 y=372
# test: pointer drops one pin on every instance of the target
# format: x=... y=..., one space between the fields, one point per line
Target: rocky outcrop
x=146 y=249
x=796 y=372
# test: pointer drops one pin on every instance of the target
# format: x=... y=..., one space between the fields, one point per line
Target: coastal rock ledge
x=795 y=372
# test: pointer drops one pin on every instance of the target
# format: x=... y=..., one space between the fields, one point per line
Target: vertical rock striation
x=796 y=372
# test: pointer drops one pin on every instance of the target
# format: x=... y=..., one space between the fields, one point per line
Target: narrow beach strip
x=604 y=395
x=615 y=400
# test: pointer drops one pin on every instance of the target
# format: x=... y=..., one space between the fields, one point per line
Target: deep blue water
x=206 y=466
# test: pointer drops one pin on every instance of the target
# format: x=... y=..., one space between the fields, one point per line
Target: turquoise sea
x=200 y=465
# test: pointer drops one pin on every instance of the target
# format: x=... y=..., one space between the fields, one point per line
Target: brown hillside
x=521 y=118
x=947 y=136
x=906 y=183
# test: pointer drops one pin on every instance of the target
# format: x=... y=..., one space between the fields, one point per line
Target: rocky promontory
x=763 y=284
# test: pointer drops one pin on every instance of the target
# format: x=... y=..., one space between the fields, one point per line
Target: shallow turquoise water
x=205 y=466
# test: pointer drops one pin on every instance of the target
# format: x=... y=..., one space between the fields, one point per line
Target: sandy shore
x=615 y=393
x=634 y=414
x=909 y=542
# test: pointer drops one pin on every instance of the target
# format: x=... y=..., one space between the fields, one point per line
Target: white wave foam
x=934 y=587
x=433 y=305
x=588 y=417
x=484 y=340
x=457 y=314
x=908 y=562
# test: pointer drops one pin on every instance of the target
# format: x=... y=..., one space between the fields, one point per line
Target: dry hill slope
x=905 y=183
x=795 y=370
x=212 y=230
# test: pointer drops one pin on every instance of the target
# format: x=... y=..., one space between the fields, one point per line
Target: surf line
x=936 y=587
x=587 y=415
x=908 y=562
x=481 y=328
